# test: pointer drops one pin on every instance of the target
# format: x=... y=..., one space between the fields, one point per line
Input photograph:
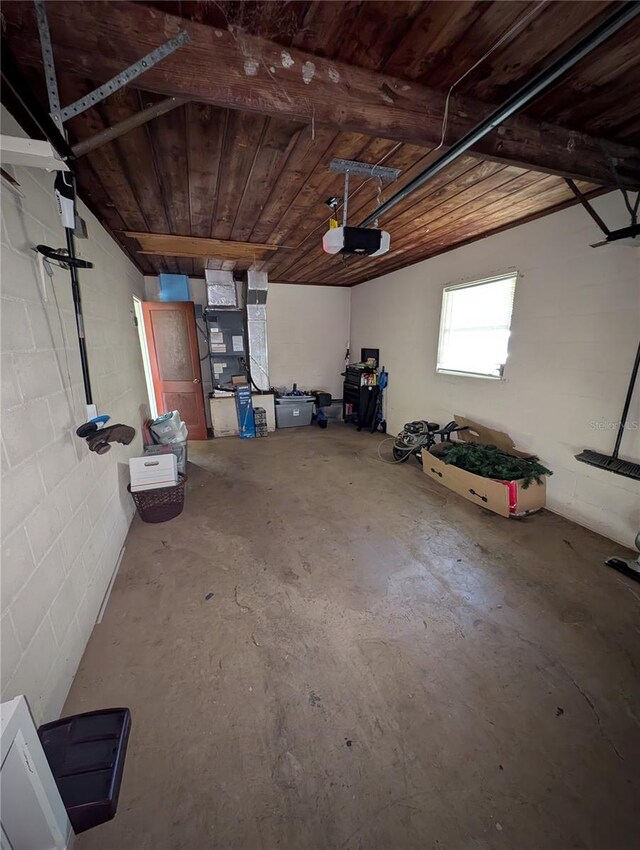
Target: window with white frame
x=475 y=324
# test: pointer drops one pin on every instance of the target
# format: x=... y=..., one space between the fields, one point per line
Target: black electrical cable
x=256 y=387
x=204 y=333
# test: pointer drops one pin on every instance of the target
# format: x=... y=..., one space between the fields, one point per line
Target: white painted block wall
x=575 y=329
x=65 y=511
x=308 y=330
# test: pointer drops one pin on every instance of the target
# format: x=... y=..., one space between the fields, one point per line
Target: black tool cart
x=360 y=395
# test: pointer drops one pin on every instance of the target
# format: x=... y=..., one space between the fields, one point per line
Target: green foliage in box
x=490 y=462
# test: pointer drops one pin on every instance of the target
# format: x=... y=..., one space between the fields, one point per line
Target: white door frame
x=146 y=363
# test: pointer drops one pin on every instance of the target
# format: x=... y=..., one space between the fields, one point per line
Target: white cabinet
x=33 y=814
x=224 y=419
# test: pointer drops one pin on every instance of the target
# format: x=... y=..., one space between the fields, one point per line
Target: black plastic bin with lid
x=86 y=754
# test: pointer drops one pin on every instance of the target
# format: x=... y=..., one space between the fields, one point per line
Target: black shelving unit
x=362 y=399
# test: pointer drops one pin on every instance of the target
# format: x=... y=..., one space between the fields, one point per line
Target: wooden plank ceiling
x=229 y=174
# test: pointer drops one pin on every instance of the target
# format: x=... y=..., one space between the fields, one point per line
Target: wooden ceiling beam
x=126 y=125
x=170 y=245
x=239 y=71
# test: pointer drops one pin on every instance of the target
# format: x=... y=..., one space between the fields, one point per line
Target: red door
x=170 y=328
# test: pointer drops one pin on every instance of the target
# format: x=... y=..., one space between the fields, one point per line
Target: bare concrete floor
x=381 y=665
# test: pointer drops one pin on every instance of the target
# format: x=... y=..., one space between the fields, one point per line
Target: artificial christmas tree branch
x=490 y=462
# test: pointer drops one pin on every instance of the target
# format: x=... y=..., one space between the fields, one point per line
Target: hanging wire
x=517 y=25
x=521 y=22
x=352 y=194
x=378 y=198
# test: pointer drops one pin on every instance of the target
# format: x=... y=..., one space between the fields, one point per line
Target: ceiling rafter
x=279 y=200
x=246 y=72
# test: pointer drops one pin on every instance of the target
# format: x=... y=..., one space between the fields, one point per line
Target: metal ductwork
x=256 y=301
x=221 y=289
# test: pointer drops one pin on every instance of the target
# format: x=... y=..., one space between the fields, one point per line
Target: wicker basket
x=161 y=504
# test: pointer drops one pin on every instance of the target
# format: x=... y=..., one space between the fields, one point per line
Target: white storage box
x=152 y=472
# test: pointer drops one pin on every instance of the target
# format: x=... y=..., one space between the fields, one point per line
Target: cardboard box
x=507 y=498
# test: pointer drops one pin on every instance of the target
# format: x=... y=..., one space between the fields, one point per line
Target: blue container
x=244 y=407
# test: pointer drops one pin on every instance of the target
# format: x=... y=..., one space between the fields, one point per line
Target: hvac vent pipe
x=257 y=290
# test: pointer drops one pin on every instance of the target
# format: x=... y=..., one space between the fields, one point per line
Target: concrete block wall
x=308 y=328
x=65 y=511
x=574 y=334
